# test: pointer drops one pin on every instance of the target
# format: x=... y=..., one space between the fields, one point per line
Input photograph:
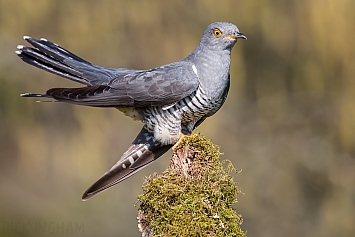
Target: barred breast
x=165 y=121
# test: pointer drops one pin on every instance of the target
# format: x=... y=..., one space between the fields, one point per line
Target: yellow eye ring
x=217 y=33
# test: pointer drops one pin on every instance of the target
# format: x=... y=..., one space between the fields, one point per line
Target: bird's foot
x=174 y=148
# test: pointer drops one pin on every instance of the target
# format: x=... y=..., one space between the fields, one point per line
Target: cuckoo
x=171 y=100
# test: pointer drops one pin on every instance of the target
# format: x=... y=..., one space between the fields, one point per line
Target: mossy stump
x=193 y=197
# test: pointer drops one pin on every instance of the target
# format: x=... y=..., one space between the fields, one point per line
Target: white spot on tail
x=131 y=160
x=20 y=46
x=43 y=39
x=30 y=94
x=124 y=166
x=194 y=69
x=26 y=37
x=18 y=52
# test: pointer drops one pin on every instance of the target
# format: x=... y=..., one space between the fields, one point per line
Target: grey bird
x=171 y=100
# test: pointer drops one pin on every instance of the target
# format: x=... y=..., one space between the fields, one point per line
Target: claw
x=178 y=142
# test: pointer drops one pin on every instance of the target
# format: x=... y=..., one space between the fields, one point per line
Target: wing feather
x=155 y=87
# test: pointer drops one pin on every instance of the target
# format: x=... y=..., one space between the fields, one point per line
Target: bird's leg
x=186 y=130
x=178 y=142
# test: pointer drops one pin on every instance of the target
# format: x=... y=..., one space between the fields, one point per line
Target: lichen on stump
x=193 y=197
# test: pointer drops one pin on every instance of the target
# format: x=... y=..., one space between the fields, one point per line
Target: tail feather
x=50 y=57
x=53 y=49
x=54 y=59
x=141 y=153
x=35 y=95
x=38 y=59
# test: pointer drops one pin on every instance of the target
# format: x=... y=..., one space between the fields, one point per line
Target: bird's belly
x=167 y=122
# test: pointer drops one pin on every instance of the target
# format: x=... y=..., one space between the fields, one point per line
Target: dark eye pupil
x=217 y=33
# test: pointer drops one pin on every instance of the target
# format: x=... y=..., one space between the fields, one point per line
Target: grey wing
x=160 y=86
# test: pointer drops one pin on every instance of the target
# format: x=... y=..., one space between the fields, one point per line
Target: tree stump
x=193 y=197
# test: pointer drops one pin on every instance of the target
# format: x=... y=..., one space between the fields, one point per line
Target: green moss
x=197 y=204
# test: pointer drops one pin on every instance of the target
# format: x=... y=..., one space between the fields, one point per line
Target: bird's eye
x=217 y=33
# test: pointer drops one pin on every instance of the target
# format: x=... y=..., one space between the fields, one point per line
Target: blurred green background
x=288 y=123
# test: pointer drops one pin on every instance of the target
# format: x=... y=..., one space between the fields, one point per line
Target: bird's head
x=221 y=36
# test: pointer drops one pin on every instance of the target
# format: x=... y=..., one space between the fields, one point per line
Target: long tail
x=144 y=150
x=54 y=59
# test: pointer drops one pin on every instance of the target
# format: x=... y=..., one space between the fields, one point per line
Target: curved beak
x=241 y=35
x=236 y=36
